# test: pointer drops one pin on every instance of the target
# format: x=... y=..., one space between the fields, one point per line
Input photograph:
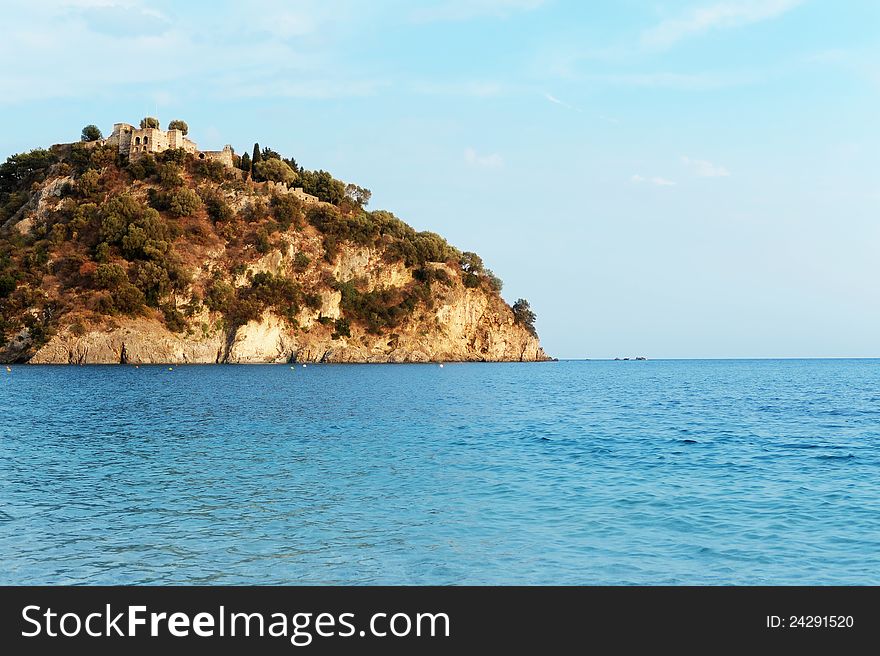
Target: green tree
x=245 y=164
x=91 y=133
x=177 y=124
x=184 y=202
x=110 y=276
x=24 y=167
x=256 y=158
x=274 y=170
x=149 y=122
x=471 y=263
x=323 y=185
x=358 y=194
x=268 y=153
x=523 y=315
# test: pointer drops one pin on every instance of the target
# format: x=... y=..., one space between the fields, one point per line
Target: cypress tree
x=256 y=158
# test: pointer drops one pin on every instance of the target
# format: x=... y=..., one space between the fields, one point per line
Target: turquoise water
x=652 y=472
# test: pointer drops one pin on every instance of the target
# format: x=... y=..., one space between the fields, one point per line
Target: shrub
x=149 y=122
x=143 y=168
x=381 y=308
x=103 y=156
x=261 y=241
x=342 y=328
x=169 y=175
x=210 y=170
x=217 y=207
x=184 y=202
x=177 y=202
x=7 y=284
x=128 y=299
x=495 y=283
x=287 y=210
x=87 y=185
x=428 y=275
x=153 y=280
x=110 y=276
x=176 y=155
x=219 y=296
x=174 y=319
x=301 y=261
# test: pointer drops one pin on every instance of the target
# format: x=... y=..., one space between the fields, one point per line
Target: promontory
x=139 y=247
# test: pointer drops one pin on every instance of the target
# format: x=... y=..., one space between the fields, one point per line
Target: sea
x=574 y=472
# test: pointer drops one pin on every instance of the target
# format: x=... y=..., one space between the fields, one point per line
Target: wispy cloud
x=476 y=160
x=705 y=169
x=699 y=20
x=556 y=101
x=460 y=10
x=657 y=181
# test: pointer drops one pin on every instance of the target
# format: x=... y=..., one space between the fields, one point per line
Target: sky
x=673 y=179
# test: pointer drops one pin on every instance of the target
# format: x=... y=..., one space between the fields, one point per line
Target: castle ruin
x=137 y=142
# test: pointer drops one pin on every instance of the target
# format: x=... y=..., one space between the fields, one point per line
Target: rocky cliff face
x=464 y=327
x=302 y=292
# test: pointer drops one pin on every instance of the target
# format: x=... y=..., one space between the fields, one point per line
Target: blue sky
x=671 y=179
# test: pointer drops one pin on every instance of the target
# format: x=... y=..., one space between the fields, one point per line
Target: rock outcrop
x=464 y=327
x=97 y=268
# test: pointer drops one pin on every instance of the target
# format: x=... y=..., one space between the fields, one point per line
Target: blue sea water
x=659 y=472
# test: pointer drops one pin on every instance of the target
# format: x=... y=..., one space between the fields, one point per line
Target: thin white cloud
x=476 y=160
x=734 y=13
x=705 y=169
x=657 y=181
x=461 y=10
x=556 y=101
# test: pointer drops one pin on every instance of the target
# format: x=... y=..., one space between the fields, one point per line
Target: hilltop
x=141 y=248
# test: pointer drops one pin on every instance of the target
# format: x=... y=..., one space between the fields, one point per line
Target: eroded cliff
x=176 y=261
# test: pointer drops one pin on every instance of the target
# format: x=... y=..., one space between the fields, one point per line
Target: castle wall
x=224 y=156
x=137 y=142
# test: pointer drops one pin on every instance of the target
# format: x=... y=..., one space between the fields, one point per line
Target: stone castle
x=137 y=142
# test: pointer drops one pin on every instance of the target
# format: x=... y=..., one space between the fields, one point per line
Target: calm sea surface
x=572 y=472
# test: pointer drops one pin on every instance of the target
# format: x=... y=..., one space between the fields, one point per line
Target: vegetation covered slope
x=174 y=259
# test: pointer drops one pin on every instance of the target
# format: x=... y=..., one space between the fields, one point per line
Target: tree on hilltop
x=245 y=164
x=177 y=124
x=91 y=133
x=149 y=122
